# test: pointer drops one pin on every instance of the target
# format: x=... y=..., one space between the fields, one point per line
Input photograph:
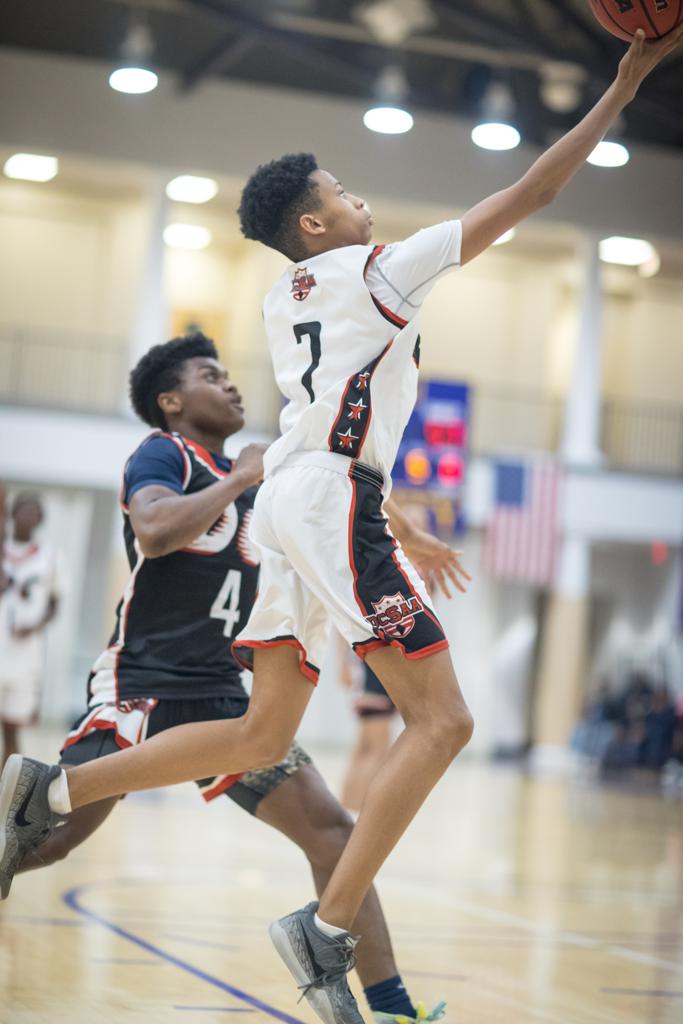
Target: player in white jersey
x=326 y=549
x=27 y=604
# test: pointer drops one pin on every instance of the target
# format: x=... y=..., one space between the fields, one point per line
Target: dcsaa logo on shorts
x=302 y=284
x=395 y=615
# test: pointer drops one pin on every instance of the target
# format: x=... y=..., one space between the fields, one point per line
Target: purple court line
x=139 y=962
x=72 y=898
x=651 y=992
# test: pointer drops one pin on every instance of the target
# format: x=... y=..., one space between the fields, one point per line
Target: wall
x=70 y=276
x=636 y=614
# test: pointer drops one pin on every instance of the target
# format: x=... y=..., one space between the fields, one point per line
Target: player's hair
x=27 y=498
x=273 y=200
x=161 y=370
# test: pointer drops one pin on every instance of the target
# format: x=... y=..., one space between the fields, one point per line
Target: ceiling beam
x=285 y=40
x=221 y=58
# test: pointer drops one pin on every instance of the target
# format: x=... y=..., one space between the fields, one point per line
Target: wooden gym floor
x=518 y=900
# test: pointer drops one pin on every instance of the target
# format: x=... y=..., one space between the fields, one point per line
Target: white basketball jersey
x=347 y=366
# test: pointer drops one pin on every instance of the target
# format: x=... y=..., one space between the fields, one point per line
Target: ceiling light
x=31 y=167
x=561 y=85
x=495 y=130
x=187 y=236
x=650 y=267
x=609 y=154
x=388 y=120
x=392 y=22
x=133 y=80
x=187 y=188
x=134 y=75
x=495 y=135
x=628 y=252
x=505 y=237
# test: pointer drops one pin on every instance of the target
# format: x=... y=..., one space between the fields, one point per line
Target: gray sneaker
x=319 y=964
x=25 y=816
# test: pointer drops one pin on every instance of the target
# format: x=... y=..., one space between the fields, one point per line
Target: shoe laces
x=347 y=961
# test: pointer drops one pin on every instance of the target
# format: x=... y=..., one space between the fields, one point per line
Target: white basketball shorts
x=328 y=557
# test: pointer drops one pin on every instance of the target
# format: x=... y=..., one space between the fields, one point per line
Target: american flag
x=522 y=535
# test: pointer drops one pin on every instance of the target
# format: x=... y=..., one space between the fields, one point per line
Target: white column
x=563 y=657
x=572 y=580
x=581 y=439
x=150 y=320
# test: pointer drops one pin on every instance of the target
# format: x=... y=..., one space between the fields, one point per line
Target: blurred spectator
x=28 y=602
x=660 y=724
x=635 y=729
x=598 y=724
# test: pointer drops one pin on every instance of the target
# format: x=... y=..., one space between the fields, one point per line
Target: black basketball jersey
x=179 y=613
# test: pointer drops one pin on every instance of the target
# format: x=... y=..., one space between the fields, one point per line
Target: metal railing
x=645 y=436
x=87 y=372
x=62 y=369
x=514 y=421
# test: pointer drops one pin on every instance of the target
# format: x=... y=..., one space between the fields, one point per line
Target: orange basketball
x=623 y=17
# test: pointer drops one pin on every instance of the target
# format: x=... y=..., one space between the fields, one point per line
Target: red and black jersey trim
x=383 y=310
x=350 y=428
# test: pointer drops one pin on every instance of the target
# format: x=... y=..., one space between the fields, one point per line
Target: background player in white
x=322 y=533
x=27 y=604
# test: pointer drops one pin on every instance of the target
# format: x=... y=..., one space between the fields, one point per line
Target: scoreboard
x=433 y=452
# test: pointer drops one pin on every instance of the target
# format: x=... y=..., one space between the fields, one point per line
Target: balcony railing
x=67 y=370
x=62 y=369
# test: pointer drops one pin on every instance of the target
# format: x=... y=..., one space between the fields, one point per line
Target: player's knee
x=453 y=729
x=262 y=748
x=269 y=751
x=327 y=842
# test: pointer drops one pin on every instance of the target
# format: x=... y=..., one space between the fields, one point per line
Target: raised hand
x=643 y=55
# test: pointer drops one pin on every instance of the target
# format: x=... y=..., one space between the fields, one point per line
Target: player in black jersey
x=192 y=585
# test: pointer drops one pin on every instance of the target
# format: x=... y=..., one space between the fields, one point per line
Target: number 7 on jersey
x=312 y=330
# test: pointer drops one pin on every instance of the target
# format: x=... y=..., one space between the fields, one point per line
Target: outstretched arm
x=434 y=560
x=553 y=171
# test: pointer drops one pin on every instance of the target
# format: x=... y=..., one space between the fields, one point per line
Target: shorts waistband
x=341 y=464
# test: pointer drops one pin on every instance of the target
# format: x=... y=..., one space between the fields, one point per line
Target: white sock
x=58 y=794
x=328 y=929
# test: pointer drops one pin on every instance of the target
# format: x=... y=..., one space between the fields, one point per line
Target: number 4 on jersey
x=226 y=605
x=313 y=331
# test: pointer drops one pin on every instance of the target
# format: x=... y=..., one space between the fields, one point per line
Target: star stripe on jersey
x=355 y=405
x=356 y=409
x=346 y=440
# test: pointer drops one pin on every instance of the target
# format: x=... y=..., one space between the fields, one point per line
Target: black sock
x=390 y=996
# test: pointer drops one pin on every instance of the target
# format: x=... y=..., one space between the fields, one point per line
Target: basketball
x=624 y=17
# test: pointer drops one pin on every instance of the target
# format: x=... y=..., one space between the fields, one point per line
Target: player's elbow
x=535 y=192
x=152 y=543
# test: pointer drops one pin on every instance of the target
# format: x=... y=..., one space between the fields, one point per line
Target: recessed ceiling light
x=495 y=135
x=187 y=236
x=388 y=120
x=31 y=167
x=187 y=188
x=650 y=267
x=609 y=154
x=133 y=80
x=628 y=252
x=505 y=237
